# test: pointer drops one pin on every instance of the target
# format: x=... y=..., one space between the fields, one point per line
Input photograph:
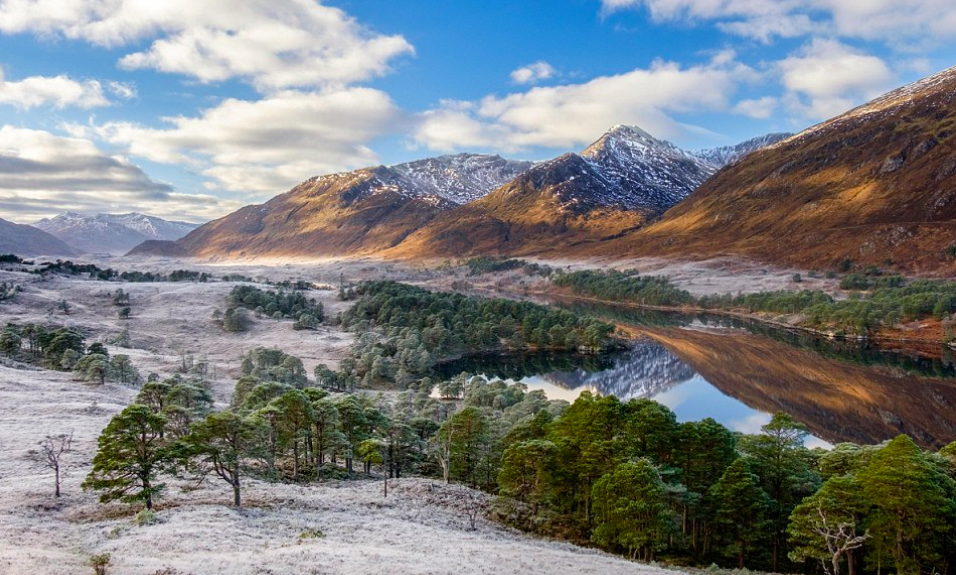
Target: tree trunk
x=56 y=471
x=236 y=494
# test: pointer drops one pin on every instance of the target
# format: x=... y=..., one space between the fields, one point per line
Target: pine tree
x=221 y=443
x=914 y=505
x=131 y=455
x=631 y=510
x=526 y=469
x=827 y=525
x=740 y=508
x=784 y=465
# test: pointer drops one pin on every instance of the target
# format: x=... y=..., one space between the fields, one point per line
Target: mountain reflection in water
x=840 y=392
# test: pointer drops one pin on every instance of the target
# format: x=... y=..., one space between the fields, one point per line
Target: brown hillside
x=343 y=214
x=552 y=207
x=874 y=185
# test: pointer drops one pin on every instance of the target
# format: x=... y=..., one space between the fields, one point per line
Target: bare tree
x=471 y=503
x=50 y=454
x=840 y=539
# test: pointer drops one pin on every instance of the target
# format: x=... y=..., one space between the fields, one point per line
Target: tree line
x=404 y=331
x=889 y=301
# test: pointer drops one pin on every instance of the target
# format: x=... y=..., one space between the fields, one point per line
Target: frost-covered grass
x=309 y=529
x=417 y=529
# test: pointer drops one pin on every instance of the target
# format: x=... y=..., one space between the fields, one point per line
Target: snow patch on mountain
x=112 y=233
x=461 y=178
x=726 y=155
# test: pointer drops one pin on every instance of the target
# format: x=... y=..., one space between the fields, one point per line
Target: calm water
x=740 y=373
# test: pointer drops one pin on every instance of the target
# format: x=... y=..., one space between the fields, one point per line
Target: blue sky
x=186 y=110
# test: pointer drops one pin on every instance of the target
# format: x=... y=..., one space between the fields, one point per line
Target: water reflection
x=701 y=368
x=649 y=370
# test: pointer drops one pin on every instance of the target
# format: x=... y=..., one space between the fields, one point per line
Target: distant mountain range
x=463 y=204
x=24 y=240
x=111 y=233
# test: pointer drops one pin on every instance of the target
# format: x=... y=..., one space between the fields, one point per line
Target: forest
x=404 y=331
x=623 y=476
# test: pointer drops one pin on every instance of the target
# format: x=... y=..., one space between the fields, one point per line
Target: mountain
x=876 y=186
x=615 y=185
x=361 y=212
x=726 y=155
x=464 y=204
x=111 y=233
x=24 y=240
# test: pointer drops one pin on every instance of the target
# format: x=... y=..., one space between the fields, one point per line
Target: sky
x=190 y=109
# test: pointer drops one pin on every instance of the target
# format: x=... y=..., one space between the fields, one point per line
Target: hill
x=352 y=213
x=25 y=240
x=875 y=186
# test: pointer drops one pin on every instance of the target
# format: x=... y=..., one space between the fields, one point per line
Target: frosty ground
x=419 y=528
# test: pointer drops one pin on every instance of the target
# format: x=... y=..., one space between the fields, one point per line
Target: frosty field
x=417 y=529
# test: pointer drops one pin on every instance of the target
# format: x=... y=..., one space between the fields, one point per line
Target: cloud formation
x=575 y=114
x=272 y=44
x=266 y=146
x=533 y=73
x=881 y=20
x=57 y=91
x=827 y=78
x=42 y=174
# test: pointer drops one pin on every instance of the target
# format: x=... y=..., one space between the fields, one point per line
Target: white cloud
x=273 y=44
x=58 y=91
x=827 y=78
x=42 y=174
x=125 y=90
x=265 y=146
x=532 y=73
x=882 y=20
x=575 y=114
x=757 y=108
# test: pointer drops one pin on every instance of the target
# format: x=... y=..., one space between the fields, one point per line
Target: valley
x=627 y=355
x=740 y=378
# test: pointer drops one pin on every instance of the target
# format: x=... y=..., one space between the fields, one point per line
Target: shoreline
x=876 y=338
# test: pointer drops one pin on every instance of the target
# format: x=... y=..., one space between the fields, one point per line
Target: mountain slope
x=615 y=185
x=875 y=185
x=26 y=240
x=111 y=233
x=360 y=212
x=726 y=155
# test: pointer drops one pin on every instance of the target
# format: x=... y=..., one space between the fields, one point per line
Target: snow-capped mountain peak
x=726 y=155
x=645 y=173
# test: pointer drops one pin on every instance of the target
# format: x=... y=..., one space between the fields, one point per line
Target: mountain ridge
x=460 y=204
x=111 y=233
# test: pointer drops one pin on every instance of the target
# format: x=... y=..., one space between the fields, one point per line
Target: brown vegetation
x=875 y=185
